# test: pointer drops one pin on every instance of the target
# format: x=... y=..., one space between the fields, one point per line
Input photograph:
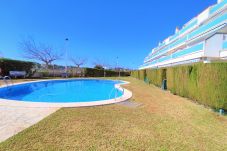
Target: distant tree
x=78 y=62
x=100 y=64
x=39 y=52
x=99 y=67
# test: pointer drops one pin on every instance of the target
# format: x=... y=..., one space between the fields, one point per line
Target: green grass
x=164 y=122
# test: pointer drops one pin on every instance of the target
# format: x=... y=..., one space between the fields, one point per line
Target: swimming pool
x=62 y=92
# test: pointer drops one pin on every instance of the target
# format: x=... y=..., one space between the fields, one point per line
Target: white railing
x=7 y=80
x=116 y=88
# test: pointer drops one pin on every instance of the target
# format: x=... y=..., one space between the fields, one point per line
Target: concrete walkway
x=15 y=119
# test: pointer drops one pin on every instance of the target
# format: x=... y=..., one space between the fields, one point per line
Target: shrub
x=135 y=74
x=15 y=65
x=92 y=72
x=142 y=75
x=205 y=83
x=156 y=76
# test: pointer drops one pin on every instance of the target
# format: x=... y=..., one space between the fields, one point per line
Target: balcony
x=164 y=58
x=188 y=51
x=171 y=46
x=195 y=33
x=224 y=45
x=218 y=7
x=208 y=26
x=189 y=26
x=175 y=41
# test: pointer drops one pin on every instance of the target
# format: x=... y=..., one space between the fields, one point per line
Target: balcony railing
x=189 y=26
x=174 y=36
x=218 y=6
x=208 y=26
x=190 y=50
x=225 y=45
x=197 y=32
x=163 y=51
x=202 y=29
x=182 y=53
x=164 y=59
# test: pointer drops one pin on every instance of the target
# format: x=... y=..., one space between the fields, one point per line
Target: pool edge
x=126 y=95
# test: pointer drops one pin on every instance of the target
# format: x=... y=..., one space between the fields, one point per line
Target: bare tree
x=39 y=52
x=78 y=62
x=101 y=64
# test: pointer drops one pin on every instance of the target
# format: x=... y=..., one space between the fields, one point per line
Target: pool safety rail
x=115 y=90
x=7 y=80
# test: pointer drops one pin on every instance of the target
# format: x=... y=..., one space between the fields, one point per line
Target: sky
x=101 y=30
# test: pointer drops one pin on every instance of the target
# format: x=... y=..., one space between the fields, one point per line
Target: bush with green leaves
x=204 y=83
x=7 y=65
x=93 y=72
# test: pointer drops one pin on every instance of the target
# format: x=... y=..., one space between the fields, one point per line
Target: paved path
x=16 y=119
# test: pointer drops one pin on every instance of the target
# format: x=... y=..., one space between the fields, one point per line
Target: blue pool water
x=63 y=91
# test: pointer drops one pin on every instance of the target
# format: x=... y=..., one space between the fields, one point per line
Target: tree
x=39 y=52
x=78 y=62
x=101 y=65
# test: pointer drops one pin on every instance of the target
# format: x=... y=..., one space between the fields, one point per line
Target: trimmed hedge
x=135 y=74
x=92 y=72
x=156 y=76
x=15 y=65
x=151 y=76
x=139 y=74
x=204 y=83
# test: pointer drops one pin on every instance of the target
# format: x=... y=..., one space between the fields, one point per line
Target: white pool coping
x=15 y=103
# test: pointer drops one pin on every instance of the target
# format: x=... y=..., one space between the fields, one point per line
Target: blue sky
x=97 y=29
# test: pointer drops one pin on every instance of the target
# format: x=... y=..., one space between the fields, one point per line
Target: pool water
x=63 y=91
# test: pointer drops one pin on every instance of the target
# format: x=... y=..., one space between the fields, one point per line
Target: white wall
x=213 y=46
x=203 y=16
x=219 y=1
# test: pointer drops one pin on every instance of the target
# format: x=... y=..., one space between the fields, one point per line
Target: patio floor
x=15 y=119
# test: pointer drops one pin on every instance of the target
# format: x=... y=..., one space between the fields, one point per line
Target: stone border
x=126 y=95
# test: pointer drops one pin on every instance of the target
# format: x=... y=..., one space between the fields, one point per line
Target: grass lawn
x=163 y=122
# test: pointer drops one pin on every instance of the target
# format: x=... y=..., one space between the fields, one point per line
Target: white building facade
x=202 y=39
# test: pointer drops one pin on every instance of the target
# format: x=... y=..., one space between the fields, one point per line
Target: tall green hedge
x=139 y=74
x=135 y=74
x=152 y=76
x=156 y=76
x=7 y=65
x=205 y=83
